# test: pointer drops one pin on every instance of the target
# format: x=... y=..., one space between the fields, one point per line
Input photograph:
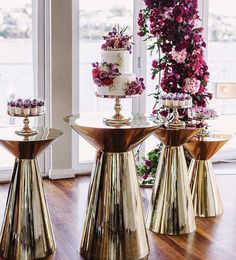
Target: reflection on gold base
x=114 y=225
x=26 y=231
x=171 y=209
x=206 y=197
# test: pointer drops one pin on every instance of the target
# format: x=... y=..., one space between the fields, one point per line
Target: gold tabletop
x=27 y=147
x=203 y=148
x=175 y=137
x=110 y=138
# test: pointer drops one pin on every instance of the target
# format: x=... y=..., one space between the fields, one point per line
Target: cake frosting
x=121 y=58
x=113 y=75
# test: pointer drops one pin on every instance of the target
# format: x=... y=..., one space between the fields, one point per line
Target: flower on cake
x=104 y=73
x=135 y=87
x=117 y=39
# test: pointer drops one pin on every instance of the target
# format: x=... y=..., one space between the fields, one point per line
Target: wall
x=61 y=85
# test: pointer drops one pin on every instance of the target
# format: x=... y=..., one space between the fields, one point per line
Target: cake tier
x=120 y=57
x=119 y=86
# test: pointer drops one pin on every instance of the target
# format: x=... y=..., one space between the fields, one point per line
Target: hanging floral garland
x=173 y=24
x=179 y=65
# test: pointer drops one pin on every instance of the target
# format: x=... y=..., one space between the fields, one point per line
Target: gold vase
x=206 y=197
x=171 y=209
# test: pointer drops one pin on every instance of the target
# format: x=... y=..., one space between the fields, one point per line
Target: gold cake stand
x=175 y=122
x=117 y=119
x=201 y=119
x=26 y=130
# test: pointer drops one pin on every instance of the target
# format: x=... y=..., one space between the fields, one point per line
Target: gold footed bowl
x=171 y=209
x=114 y=225
x=206 y=197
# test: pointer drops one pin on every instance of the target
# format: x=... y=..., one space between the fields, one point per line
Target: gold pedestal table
x=26 y=230
x=114 y=226
x=171 y=209
x=205 y=193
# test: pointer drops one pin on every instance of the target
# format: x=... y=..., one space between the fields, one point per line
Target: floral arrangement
x=25 y=107
x=172 y=24
x=104 y=73
x=146 y=170
x=117 y=39
x=135 y=87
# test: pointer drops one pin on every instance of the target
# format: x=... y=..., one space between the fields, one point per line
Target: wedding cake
x=113 y=75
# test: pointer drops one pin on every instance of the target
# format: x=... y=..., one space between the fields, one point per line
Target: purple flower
x=97 y=81
x=131 y=92
x=103 y=74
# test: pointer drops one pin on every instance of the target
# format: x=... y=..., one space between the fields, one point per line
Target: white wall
x=61 y=85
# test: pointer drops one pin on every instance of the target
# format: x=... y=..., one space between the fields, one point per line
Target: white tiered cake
x=113 y=76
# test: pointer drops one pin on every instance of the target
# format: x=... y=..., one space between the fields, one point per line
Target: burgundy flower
x=155 y=64
x=148 y=164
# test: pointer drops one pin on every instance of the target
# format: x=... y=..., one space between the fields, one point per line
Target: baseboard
x=83 y=168
x=5 y=175
x=61 y=174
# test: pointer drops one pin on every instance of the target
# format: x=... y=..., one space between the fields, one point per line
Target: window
x=221 y=56
x=19 y=25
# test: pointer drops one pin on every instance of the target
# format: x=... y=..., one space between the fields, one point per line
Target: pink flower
x=179 y=56
x=192 y=85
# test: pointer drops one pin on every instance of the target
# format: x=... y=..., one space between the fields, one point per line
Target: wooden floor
x=214 y=239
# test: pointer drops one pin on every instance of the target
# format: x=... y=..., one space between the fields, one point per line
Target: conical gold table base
x=171 y=210
x=206 y=196
x=114 y=226
x=26 y=231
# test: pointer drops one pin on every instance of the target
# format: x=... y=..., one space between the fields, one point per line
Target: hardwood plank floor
x=214 y=239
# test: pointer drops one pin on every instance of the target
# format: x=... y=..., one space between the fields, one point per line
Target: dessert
x=113 y=75
x=176 y=100
x=26 y=107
